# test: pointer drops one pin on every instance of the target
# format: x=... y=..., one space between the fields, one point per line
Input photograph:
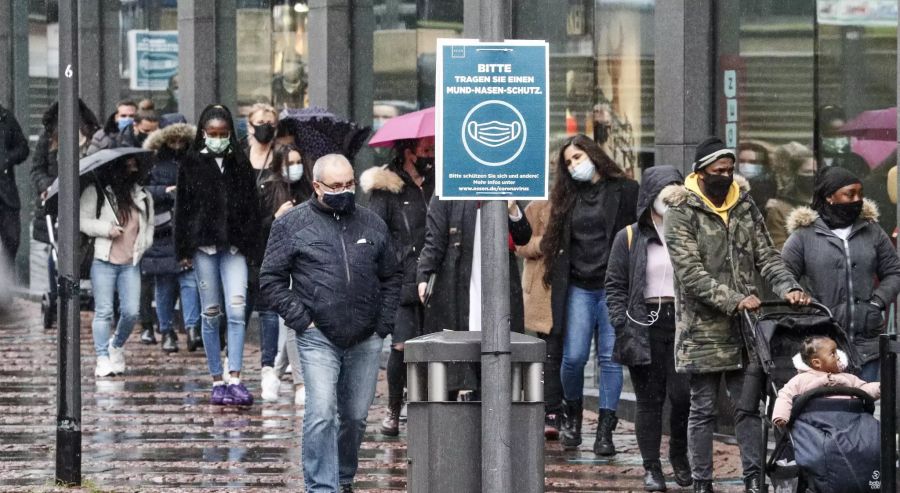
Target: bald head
x=332 y=168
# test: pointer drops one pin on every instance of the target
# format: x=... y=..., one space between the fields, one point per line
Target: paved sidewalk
x=152 y=430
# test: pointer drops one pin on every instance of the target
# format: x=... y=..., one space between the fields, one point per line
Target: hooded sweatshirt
x=692 y=182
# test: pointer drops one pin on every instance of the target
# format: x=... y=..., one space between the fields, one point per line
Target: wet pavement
x=152 y=429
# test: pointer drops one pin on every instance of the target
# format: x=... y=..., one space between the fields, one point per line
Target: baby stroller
x=48 y=299
x=828 y=444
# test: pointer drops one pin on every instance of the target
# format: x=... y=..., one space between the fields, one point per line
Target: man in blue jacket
x=331 y=274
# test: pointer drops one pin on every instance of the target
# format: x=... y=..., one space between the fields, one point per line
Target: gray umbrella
x=89 y=167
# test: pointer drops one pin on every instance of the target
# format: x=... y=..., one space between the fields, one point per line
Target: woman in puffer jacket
x=847 y=260
x=170 y=146
x=122 y=230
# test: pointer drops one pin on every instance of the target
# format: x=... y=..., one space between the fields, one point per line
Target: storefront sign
x=492 y=119
x=857 y=12
x=152 y=59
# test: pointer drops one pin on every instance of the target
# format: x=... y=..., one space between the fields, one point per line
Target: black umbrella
x=91 y=169
x=318 y=132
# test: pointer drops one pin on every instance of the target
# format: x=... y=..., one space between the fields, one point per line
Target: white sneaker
x=117 y=359
x=225 y=366
x=300 y=396
x=270 y=384
x=104 y=368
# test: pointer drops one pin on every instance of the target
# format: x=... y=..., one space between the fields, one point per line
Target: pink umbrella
x=413 y=125
x=873 y=125
x=873 y=151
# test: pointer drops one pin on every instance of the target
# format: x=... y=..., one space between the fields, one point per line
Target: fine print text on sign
x=492 y=119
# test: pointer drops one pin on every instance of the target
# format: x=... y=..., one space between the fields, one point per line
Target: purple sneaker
x=238 y=395
x=219 y=394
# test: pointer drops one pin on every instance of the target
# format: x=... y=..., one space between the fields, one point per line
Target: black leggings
x=652 y=383
x=396 y=376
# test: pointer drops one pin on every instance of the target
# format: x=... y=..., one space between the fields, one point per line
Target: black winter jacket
x=403 y=206
x=626 y=273
x=160 y=258
x=215 y=208
x=448 y=250
x=44 y=169
x=13 y=150
x=621 y=205
x=337 y=272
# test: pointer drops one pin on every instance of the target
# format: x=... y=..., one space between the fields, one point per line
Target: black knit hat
x=709 y=151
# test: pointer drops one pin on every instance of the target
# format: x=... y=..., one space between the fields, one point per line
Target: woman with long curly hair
x=591 y=201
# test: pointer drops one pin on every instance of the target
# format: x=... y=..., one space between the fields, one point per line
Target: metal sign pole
x=496 y=405
x=68 y=382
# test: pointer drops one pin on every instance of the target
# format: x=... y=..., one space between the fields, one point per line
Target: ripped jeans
x=222 y=280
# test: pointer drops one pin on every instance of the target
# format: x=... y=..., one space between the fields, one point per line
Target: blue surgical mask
x=583 y=171
x=124 y=122
x=293 y=173
x=751 y=170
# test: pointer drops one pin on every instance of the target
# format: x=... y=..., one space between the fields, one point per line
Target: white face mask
x=494 y=133
x=583 y=171
x=659 y=206
x=293 y=173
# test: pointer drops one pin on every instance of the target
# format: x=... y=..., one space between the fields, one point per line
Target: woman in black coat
x=170 y=146
x=591 y=201
x=216 y=232
x=400 y=192
x=640 y=290
x=448 y=253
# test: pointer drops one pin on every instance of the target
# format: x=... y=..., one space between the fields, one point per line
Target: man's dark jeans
x=743 y=387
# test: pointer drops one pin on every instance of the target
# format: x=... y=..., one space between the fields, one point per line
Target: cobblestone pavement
x=152 y=430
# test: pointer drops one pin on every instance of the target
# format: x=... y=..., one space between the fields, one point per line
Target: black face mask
x=601 y=133
x=140 y=138
x=717 y=186
x=424 y=165
x=342 y=202
x=264 y=133
x=805 y=184
x=838 y=216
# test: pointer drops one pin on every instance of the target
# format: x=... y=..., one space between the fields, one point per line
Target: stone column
x=207 y=53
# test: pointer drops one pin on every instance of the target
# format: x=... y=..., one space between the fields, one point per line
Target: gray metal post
x=206 y=70
x=684 y=109
x=534 y=382
x=437 y=381
x=516 y=394
x=492 y=23
x=415 y=391
x=68 y=382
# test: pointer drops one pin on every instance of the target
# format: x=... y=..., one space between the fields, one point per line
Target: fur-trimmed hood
x=178 y=132
x=800 y=365
x=802 y=217
x=676 y=195
x=381 y=178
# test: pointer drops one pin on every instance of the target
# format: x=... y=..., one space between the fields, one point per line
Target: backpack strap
x=630 y=233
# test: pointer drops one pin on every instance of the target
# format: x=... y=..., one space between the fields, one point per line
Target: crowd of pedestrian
x=653 y=274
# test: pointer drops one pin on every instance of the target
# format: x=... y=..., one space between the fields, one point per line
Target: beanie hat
x=709 y=151
x=830 y=180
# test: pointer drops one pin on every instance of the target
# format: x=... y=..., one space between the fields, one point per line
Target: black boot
x=391 y=424
x=603 y=445
x=653 y=477
x=170 y=342
x=194 y=340
x=571 y=433
x=681 y=469
x=703 y=486
x=147 y=335
x=753 y=484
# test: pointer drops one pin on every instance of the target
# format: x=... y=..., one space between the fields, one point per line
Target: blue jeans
x=340 y=387
x=168 y=288
x=871 y=371
x=587 y=319
x=106 y=280
x=268 y=337
x=222 y=280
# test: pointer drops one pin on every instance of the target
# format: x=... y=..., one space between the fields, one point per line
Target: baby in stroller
x=827 y=418
x=819 y=365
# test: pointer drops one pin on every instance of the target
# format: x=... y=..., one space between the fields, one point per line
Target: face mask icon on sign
x=494 y=133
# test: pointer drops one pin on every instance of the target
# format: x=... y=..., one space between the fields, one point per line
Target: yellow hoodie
x=692 y=183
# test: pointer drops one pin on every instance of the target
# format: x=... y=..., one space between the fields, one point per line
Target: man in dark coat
x=13 y=150
x=330 y=273
x=105 y=138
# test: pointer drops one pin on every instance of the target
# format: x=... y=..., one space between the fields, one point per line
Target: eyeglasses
x=339 y=187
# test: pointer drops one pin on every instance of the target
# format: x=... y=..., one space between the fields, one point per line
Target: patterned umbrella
x=318 y=132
